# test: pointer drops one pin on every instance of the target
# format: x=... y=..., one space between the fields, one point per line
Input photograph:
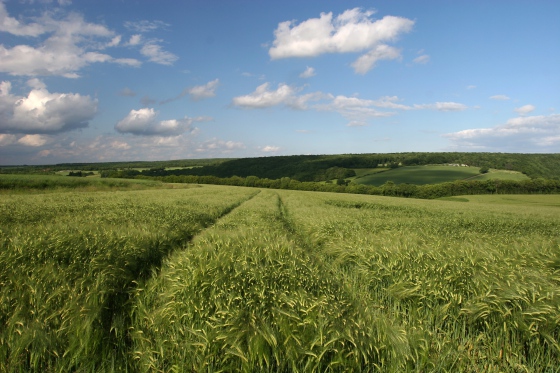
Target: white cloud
x=71 y=44
x=443 y=106
x=36 y=83
x=7 y=139
x=524 y=110
x=135 y=39
x=308 y=73
x=33 y=140
x=530 y=134
x=145 y=122
x=145 y=25
x=15 y=27
x=115 y=41
x=270 y=149
x=354 y=109
x=216 y=146
x=499 y=97
x=262 y=97
x=423 y=59
x=155 y=53
x=120 y=145
x=351 y=31
x=42 y=111
x=471 y=86
x=204 y=91
x=381 y=52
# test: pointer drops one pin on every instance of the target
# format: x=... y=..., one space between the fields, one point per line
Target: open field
x=502 y=175
x=421 y=175
x=44 y=183
x=519 y=199
x=217 y=278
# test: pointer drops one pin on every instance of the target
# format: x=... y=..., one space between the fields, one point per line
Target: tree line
x=428 y=191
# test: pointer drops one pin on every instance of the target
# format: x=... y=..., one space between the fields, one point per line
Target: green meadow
x=434 y=174
x=219 y=278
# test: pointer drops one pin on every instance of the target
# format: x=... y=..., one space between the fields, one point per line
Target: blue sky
x=109 y=80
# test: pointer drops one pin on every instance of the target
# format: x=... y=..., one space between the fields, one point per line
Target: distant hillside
x=320 y=167
x=421 y=175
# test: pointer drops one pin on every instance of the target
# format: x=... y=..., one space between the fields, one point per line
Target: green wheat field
x=224 y=279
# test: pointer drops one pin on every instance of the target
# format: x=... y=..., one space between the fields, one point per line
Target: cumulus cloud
x=524 y=110
x=42 y=112
x=352 y=31
x=499 y=97
x=72 y=44
x=527 y=133
x=145 y=122
x=308 y=73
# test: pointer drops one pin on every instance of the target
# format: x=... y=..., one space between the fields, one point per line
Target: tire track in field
x=121 y=303
x=315 y=252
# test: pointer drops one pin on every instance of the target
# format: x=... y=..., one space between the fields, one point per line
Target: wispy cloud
x=145 y=122
x=308 y=73
x=524 y=110
x=423 y=59
x=67 y=45
x=263 y=97
x=499 y=97
x=526 y=133
x=157 y=54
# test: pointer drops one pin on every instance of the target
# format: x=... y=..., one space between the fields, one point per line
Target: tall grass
x=475 y=287
x=25 y=183
x=246 y=297
x=69 y=262
x=277 y=281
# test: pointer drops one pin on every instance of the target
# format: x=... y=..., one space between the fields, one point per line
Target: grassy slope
x=421 y=175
